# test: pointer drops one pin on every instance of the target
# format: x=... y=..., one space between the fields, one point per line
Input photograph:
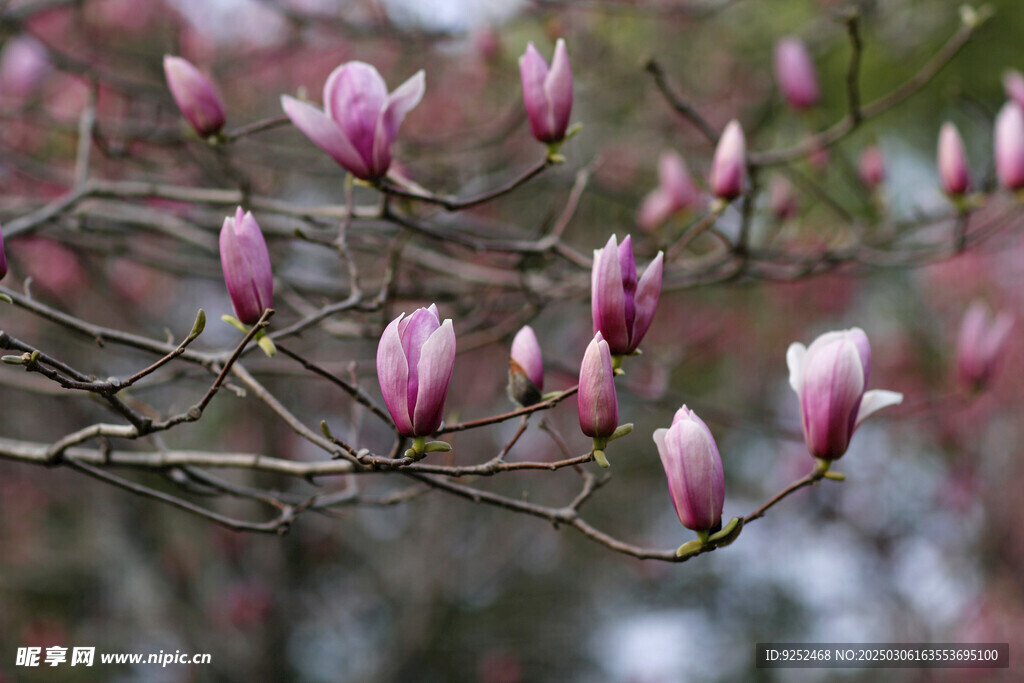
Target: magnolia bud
x=622 y=307
x=246 y=264
x=526 y=368
x=195 y=94
x=795 y=74
x=980 y=345
x=952 y=161
x=675 y=192
x=415 y=359
x=598 y=405
x=547 y=92
x=830 y=377
x=871 y=167
x=1009 y=146
x=693 y=466
x=782 y=199
x=1013 y=85
x=729 y=166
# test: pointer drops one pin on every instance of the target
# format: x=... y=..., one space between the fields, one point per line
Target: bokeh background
x=922 y=543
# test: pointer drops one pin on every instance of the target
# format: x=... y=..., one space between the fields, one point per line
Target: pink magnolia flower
x=830 y=377
x=547 y=92
x=795 y=74
x=729 y=165
x=526 y=368
x=415 y=359
x=952 y=161
x=871 y=167
x=360 y=120
x=1009 y=146
x=597 y=402
x=782 y=199
x=1013 y=85
x=693 y=466
x=246 y=264
x=24 y=63
x=195 y=94
x=623 y=307
x=980 y=344
x=675 y=192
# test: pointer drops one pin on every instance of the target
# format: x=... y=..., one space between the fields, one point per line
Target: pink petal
x=325 y=134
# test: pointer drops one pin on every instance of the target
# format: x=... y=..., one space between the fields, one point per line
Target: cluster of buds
x=416 y=353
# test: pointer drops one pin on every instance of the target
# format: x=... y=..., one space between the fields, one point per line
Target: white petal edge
x=795 y=361
x=874 y=401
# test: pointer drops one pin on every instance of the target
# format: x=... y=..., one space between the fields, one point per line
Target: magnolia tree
x=359 y=127
x=372 y=230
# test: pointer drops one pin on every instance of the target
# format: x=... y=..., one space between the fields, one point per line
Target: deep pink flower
x=830 y=377
x=693 y=466
x=246 y=264
x=547 y=93
x=360 y=120
x=415 y=359
x=622 y=307
x=195 y=94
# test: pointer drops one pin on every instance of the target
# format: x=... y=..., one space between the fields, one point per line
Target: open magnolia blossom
x=360 y=119
x=830 y=377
